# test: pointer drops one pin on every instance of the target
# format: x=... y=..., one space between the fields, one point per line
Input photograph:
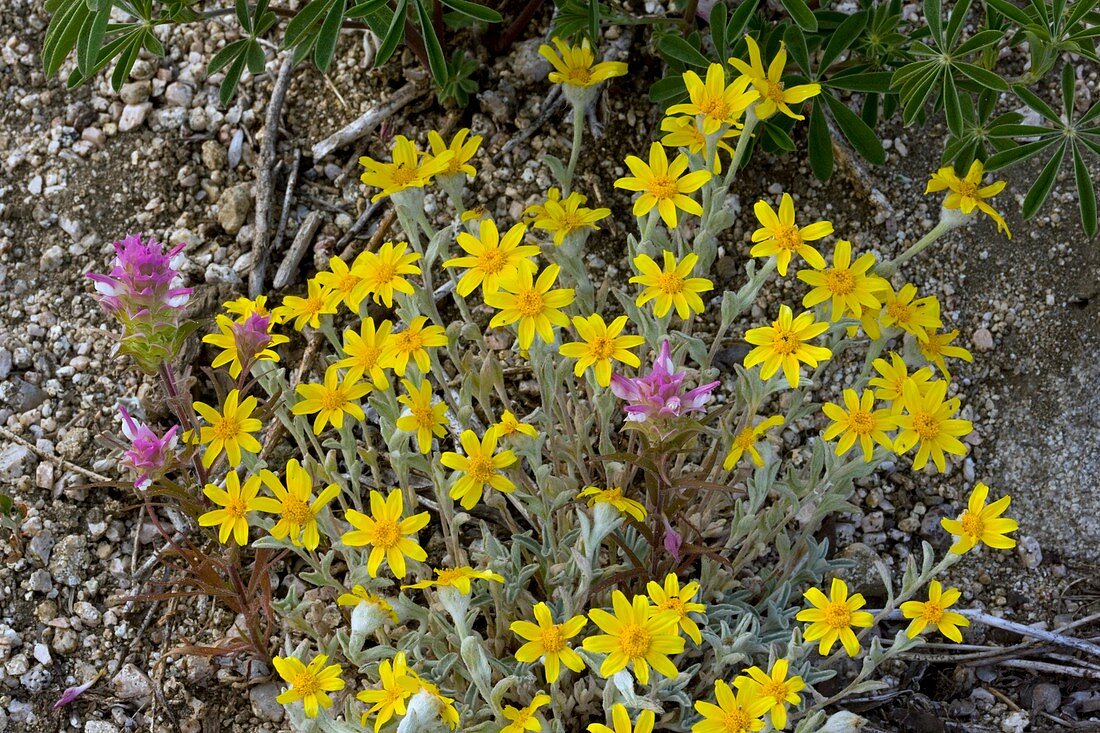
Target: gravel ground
x=81 y=168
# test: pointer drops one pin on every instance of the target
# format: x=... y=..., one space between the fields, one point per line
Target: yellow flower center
x=347 y=282
x=612 y=495
x=492 y=261
x=228 y=428
x=333 y=399
x=672 y=603
x=601 y=347
x=926 y=425
x=670 y=283
x=715 y=107
x=570 y=222
x=480 y=468
x=736 y=721
x=529 y=303
x=972 y=524
x=579 y=76
x=745 y=439
x=966 y=189
x=404 y=176
x=840 y=282
x=368 y=357
x=305 y=682
x=861 y=422
x=773 y=90
x=409 y=341
x=931 y=612
x=384 y=273
x=837 y=615
x=236 y=507
x=386 y=533
x=662 y=187
x=313 y=306
x=785 y=342
x=788 y=237
x=523 y=716
x=448 y=576
x=900 y=312
x=552 y=639
x=296 y=511
x=634 y=640
x=774 y=689
x=424 y=416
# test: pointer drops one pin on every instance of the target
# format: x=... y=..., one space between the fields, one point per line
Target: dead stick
x=288 y=196
x=285 y=274
x=367 y=121
x=4 y=432
x=265 y=185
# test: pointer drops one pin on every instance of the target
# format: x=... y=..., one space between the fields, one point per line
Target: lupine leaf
x=801 y=14
x=1086 y=193
x=1042 y=186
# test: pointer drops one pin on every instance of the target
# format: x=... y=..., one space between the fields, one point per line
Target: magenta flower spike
x=144 y=292
x=659 y=395
x=149 y=456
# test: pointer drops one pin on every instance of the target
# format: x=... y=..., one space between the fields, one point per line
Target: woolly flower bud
x=149 y=456
x=144 y=292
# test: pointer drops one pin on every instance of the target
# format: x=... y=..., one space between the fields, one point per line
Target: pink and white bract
x=659 y=395
x=149 y=456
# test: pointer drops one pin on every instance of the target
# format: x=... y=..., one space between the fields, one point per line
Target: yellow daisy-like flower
x=536 y=304
x=847 y=284
x=663 y=185
x=524 y=719
x=834 y=617
x=775 y=687
x=479 y=468
x=916 y=316
x=307 y=311
x=747 y=439
x=928 y=424
x=601 y=345
x=462 y=152
x=458 y=578
x=236 y=502
x=308 y=683
x=297 y=513
x=243 y=307
x=538 y=211
x=383 y=271
x=345 y=284
x=968 y=193
x=938 y=346
x=491 y=258
x=671 y=286
x=620 y=718
x=859 y=421
x=613 y=497
x=683 y=132
x=576 y=66
x=390 y=537
x=566 y=216
x=397 y=686
x=981 y=524
x=934 y=612
x=511 y=425
x=367 y=354
x=229 y=342
x=671 y=597
x=779 y=237
x=413 y=343
x=783 y=345
x=774 y=96
x=889 y=385
x=717 y=104
x=359 y=594
x=636 y=635
x=734 y=713
x=549 y=641
x=230 y=430
x=409 y=169
x=331 y=400
x=422 y=417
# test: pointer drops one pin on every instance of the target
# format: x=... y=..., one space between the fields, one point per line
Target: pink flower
x=149 y=457
x=659 y=395
x=72 y=693
x=673 y=541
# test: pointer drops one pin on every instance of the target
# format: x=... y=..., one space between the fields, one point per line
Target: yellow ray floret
x=981 y=524
x=663 y=185
x=783 y=345
x=832 y=618
x=933 y=612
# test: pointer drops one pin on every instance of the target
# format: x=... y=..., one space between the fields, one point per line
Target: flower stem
x=946 y=224
x=575 y=154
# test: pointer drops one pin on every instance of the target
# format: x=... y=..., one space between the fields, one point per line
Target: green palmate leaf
x=779 y=137
x=796 y=46
x=982 y=76
x=801 y=14
x=232 y=77
x=90 y=39
x=1018 y=154
x=1086 y=193
x=739 y=21
x=126 y=60
x=1032 y=100
x=1069 y=92
x=474 y=10
x=978 y=41
x=328 y=36
x=820 y=145
x=222 y=58
x=677 y=48
x=718 y=20
x=856 y=131
x=1010 y=11
x=61 y=36
x=872 y=81
x=394 y=34
x=952 y=107
x=300 y=25
x=594 y=21
x=255 y=56
x=243 y=16
x=933 y=16
x=955 y=22
x=1042 y=186
x=917 y=95
x=436 y=60
x=842 y=38
x=668 y=90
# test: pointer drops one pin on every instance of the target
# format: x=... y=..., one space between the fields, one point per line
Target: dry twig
x=265 y=184
x=366 y=122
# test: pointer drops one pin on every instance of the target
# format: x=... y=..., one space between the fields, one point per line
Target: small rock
x=179 y=95
x=71 y=446
x=863 y=576
x=1031 y=554
x=133 y=116
x=35 y=186
x=131 y=684
x=221 y=273
x=40 y=581
x=42 y=653
x=1016 y=722
x=52 y=258
x=234 y=206
x=70 y=560
x=88 y=614
x=529 y=63
x=11 y=462
x=729 y=358
x=1046 y=697
x=168 y=119
x=214 y=156
x=100 y=726
x=264 y=704
x=982 y=339
x=27 y=397
x=5 y=363
x=40 y=546
x=136 y=92
x=43 y=475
